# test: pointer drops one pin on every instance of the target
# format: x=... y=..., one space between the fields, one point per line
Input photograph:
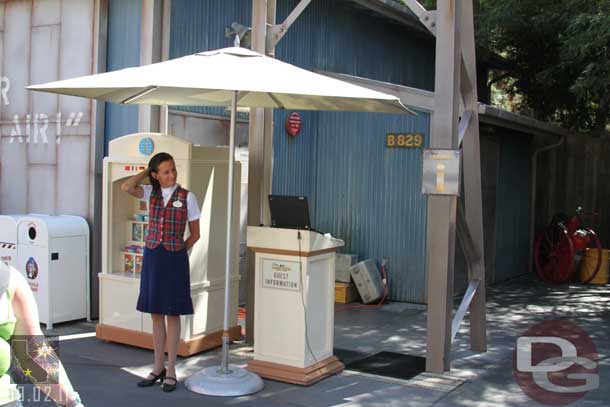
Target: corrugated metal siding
x=512 y=207
x=329 y=35
x=386 y=212
x=124 y=17
x=294 y=160
x=200 y=26
x=361 y=191
x=334 y=36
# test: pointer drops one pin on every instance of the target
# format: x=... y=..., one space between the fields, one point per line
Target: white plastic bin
x=8 y=238
x=53 y=254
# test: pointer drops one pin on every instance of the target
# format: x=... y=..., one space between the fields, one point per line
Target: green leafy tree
x=557 y=55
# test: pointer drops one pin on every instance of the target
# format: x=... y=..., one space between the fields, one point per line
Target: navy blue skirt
x=165 y=286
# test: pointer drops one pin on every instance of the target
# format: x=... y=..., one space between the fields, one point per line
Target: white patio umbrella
x=226 y=77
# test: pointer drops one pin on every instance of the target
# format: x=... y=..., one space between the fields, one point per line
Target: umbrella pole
x=225 y=380
x=229 y=257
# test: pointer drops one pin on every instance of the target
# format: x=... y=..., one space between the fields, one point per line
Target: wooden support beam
x=472 y=175
x=256 y=154
x=150 y=52
x=469 y=132
x=165 y=31
x=441 y=225
x=260 y=153
x=469 y=247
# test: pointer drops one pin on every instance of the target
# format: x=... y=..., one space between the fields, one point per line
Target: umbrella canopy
x=210 y=78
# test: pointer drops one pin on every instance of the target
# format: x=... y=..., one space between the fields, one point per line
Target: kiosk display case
x=203 y=171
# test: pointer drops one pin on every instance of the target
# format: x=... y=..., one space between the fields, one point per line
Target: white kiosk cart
x=294 y=297
x=202 y=170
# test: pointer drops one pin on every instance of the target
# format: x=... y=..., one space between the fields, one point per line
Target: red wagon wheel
x=594 y=243
x=554 y=255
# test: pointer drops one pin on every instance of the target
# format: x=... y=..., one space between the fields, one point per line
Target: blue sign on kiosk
x=146 y=146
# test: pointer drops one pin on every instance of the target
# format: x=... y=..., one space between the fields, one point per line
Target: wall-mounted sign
x=400 y=140
x=294 y=124
x=441 y=175
x=283 y=275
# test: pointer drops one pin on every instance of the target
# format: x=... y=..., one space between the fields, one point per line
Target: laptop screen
x=290 y=212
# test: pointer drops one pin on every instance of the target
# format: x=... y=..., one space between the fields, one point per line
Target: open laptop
x=289 y=212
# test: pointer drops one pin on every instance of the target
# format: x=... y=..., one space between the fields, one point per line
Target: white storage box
x=53 y=254
x=368 y=281
x=8 y=238
x=342 y=264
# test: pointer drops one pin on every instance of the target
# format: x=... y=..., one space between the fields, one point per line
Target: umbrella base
x=212 y=382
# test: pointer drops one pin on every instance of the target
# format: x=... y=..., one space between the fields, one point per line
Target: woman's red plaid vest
x=167 y=223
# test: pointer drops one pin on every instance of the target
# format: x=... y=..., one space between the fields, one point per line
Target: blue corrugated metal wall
x=294 y=160
x=329 y=35
x=200 y=26
x=334 y=36
x=123 y=51
x=370 y=195
x=512 y=207
x=359 y=190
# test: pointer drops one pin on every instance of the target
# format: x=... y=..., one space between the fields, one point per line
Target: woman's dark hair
x=153 y=166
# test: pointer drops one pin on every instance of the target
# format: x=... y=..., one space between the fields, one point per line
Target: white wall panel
x=41 y=190
x=73 y=176
x=17 y=56
x=46 y=12
x=13 y=178
x=44 y=67
x=76 y=48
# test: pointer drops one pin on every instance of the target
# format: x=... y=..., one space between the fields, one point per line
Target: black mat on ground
x=390 y=364
x=347 y=356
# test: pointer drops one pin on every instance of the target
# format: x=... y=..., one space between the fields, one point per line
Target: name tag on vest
x=177 y=204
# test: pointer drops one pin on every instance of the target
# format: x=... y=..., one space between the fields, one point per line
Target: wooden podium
x=294 y=304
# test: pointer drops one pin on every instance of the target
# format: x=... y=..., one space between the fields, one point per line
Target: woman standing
x=165 y=290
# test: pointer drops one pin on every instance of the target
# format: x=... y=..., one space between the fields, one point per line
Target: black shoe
x=150 y=382
x=167 y=387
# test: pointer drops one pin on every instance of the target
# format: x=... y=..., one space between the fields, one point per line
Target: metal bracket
x=429 y=20
x=277 y=31
x=464 y=123
x=463 y=308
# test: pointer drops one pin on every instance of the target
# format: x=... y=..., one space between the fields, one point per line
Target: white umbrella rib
x=140 y=94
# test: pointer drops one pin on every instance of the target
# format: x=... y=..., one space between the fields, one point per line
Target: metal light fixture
x=242 y=34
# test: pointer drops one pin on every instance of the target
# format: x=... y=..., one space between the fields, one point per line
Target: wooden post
x=441 y=225
x=260 y=154
x=473 y=200
x=165 y=31
x=150 y=52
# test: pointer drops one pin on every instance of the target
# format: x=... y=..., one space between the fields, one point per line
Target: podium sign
x=283 y=275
